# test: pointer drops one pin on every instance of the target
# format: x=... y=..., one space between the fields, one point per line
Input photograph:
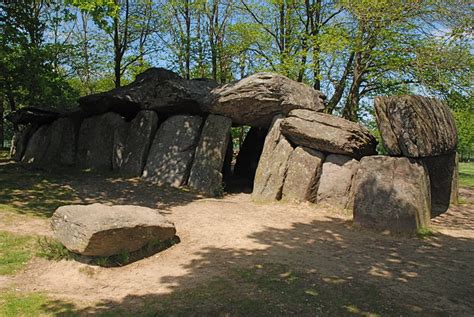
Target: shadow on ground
x=39 y=193
x=325 y=268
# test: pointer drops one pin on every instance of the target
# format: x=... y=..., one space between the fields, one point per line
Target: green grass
x=15 y=252
x=14 y=304
x=4 y=155
x=466 y=174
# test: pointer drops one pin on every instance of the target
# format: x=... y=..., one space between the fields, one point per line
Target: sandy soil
x=233 y=231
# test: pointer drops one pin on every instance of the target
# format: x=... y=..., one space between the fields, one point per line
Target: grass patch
x=53 y=250
x=4 y=155
x=31 y=304
x=466 y=174
x=424 y=233
x=15 y=252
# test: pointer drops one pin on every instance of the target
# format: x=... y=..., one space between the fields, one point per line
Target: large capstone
x=392 y=193
x=336 y=180
x=271 y=170
x=97 y=142
x=302 y=176
x=443 y=171
x=140 y=136
x=206 y=172
x=155 y=89
x=172 y=151
x=415 y=126
x=256 y=99
x=32 y=115
x=100 y=230
x=328 y=133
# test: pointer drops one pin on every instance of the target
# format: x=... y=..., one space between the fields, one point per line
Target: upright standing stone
x=140 y=136
x=415 y=126
x=96 y=141
x=273 y=164
x=392 y=193
x=443 y=171
x=20 y=141
x=336 y=180
x=37 y=146
x=302 y=176
x=172 y=151
x=206 y=173
x=120 y=140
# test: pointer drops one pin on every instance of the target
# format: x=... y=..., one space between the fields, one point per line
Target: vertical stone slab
x=142 y=131
x=336 y=180
x=120 y=140
x=172 y=151
x=273 y=164
x=443 y=172
x=392 y=193
x=206 y=172
x=302 y=176
x=20 y=141
x=37 y=146
x=96 y=141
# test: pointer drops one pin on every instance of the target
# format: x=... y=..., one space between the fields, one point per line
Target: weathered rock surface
x=141 y=133
x=391 y=194
x=32 y=115
x=120 y=140
x=302 y=176
x=328 y=133
x=206 y=172
x=172 y=151
x=37 y=146
x=336 y=179
x=96 y=140
x=415 y=126
x=52 y=144
x=155 y=89
x=443 y=172
x=273 y=164
x=247 y=160
x=256 y=99
x=100 y=230
x=20 y=141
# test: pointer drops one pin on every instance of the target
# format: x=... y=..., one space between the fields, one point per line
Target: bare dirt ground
x=435 y=273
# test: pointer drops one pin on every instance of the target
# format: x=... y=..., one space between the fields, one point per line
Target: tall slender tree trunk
x=2 y=125
x=117 y=53
x=187 y=56
x=351 y=108
x=341 y=85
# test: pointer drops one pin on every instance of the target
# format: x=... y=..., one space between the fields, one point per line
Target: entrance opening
x=242 y=158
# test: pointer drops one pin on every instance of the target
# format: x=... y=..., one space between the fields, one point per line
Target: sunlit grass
x=466 y=174
x=15 y=252
x=31 y=304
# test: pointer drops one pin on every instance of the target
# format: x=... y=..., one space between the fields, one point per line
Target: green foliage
x=15 y=252
x=466 y=175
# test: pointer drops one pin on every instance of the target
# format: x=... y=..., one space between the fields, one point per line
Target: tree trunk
x=2 y=125
x=351 y=108
x=341 y=85
x=188 y=39
x=117 y=54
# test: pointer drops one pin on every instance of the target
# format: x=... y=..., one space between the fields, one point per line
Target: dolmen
x=177 y=132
